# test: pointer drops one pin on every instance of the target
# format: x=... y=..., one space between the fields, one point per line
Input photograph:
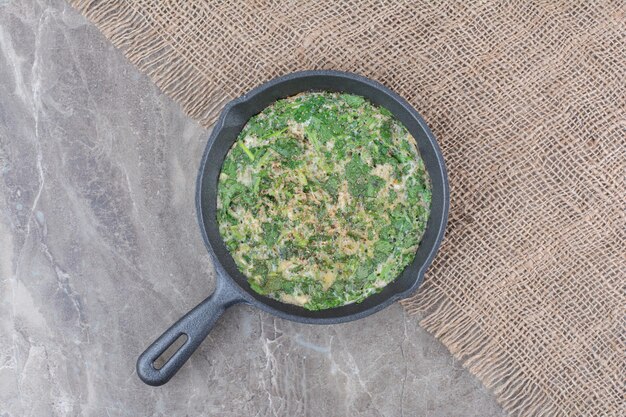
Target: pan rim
x=438 y=227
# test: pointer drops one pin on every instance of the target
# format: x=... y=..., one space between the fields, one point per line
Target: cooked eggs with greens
x=322 y=200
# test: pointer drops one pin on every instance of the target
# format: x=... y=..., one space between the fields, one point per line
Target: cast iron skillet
x=232 y=286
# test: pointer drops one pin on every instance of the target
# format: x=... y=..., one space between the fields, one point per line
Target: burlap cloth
x=528 y=102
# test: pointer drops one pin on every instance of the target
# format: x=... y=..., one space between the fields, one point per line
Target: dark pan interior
x=235 y=116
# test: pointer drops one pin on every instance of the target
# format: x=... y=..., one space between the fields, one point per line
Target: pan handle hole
x=170 y=351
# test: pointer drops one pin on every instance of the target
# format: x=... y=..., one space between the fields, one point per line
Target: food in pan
x=322 y=200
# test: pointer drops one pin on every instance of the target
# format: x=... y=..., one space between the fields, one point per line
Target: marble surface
x=100 y=252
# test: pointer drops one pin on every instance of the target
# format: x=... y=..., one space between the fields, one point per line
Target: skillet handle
x=196 y=325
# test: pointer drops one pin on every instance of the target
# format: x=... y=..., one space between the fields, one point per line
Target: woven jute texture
x=528 y=102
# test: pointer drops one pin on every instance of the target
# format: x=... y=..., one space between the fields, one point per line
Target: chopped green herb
x=323 y=200
x=246 y=150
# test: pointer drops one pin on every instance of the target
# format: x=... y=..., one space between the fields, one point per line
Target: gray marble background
x=100 y=252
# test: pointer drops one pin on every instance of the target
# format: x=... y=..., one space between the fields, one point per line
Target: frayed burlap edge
x=154 y=55
x=479 y=353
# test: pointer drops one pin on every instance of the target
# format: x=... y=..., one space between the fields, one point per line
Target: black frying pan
x=232 y=286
